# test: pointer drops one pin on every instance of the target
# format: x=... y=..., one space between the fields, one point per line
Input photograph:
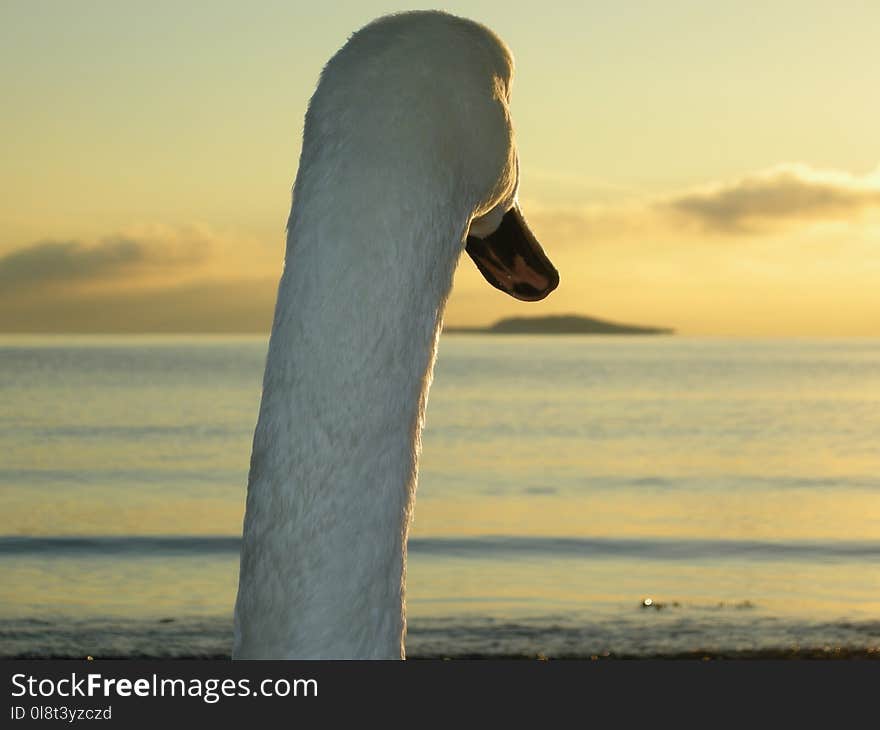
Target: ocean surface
x=578 y=496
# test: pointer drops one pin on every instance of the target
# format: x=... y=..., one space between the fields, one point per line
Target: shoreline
x=770 y=654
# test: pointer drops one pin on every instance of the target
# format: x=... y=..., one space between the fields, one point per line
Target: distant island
x=560 y=324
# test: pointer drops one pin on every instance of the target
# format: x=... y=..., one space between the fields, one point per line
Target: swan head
x=417 y=107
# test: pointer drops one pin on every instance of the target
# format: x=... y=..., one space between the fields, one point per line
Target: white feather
x=407 y=140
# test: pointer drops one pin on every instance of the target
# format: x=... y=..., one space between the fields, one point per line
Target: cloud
x=781 y=199
x=34 y=267
x=244 y=305
x=783 y=196
x=146 y=279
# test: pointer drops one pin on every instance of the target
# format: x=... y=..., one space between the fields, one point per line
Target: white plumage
x=407 y=144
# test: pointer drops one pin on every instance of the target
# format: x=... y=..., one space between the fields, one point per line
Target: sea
x=579 y=496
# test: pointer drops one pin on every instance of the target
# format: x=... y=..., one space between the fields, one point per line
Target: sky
x=712 y=167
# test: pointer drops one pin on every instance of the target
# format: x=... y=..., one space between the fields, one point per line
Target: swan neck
x=335 y=455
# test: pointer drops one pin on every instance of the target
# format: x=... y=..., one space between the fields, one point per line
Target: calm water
x=564 y=480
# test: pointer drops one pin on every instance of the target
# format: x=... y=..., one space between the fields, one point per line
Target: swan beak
x=513 y=261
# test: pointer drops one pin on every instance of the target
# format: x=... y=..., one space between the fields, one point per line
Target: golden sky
x=713 y=167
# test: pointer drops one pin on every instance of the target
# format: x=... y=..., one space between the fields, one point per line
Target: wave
x=118 y=546
x=205 y=433
x=65 y=478
x=469 y=547
x=659 y=548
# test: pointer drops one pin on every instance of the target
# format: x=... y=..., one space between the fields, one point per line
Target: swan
x=407 y=159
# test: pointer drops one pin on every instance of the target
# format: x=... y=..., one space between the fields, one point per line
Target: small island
x=559 y=324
